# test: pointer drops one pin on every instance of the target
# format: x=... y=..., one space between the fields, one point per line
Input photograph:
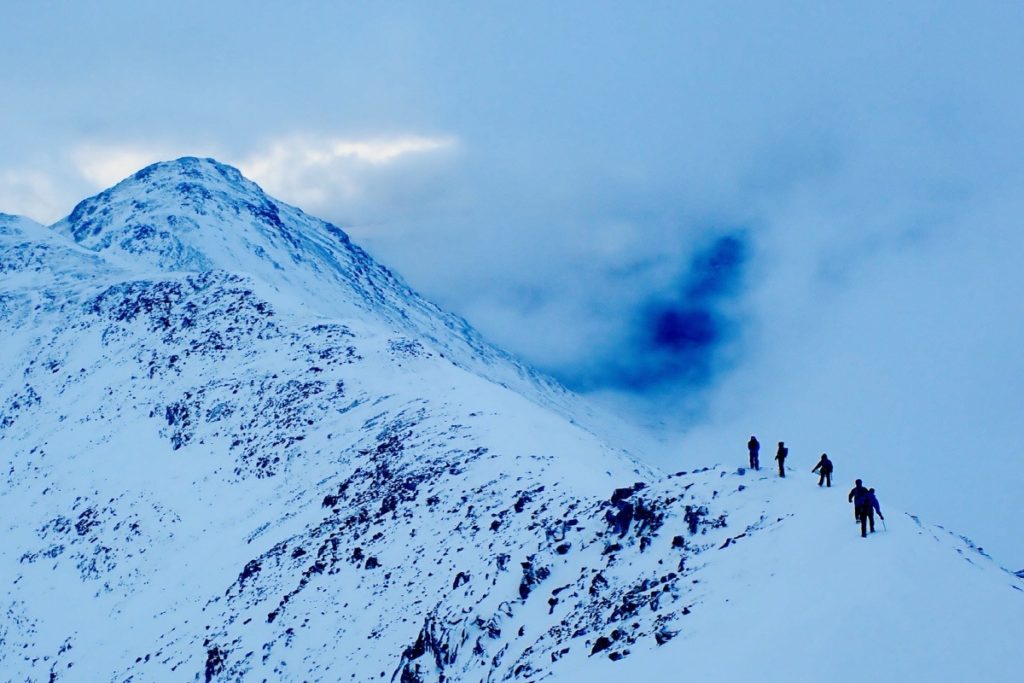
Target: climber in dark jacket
x=824 y=467
x=781 y=457
x=870 y=508
x=755 y=448
x=861 y=499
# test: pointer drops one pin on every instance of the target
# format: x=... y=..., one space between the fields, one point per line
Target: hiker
x=860 y=497
x=871 y=508
x=781 y=457
x=824 y=467
x=754 y=447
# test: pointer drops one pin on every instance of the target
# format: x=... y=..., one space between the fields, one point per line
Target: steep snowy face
x=187 y=459
x=199 y=215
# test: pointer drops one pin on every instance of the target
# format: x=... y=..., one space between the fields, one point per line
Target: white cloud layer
x=31 y=193
x=103 y=165
x=311 y=171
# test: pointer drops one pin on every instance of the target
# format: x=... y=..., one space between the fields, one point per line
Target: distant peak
x=172 y=185
x=194 y=168
x=152 y=210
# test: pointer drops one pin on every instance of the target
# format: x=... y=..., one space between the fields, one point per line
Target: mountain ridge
x=205 y=482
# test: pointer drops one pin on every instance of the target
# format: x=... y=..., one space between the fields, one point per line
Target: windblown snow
x=235 y=448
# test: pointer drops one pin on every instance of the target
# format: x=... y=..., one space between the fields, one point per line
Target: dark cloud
x=678 y=340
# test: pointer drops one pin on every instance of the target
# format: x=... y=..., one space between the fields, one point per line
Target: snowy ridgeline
x=235 y=448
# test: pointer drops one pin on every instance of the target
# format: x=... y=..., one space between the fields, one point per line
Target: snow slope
x=218 y=469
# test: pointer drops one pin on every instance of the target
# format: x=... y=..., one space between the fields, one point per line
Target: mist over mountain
x=235 y=447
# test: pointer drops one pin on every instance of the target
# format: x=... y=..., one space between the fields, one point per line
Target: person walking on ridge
x=860 y=497
x=871 y=508
x=781 y=457
x=755 y=448
x=824 y=467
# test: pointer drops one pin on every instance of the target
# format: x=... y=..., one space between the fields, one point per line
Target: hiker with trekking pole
x=872 y=508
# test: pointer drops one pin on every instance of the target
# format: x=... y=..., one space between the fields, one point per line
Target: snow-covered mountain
x=195 y=215
x=234 y=447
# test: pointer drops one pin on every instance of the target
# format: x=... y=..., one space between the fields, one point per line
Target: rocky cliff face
x=233 y=447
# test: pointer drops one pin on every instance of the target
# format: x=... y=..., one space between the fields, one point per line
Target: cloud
x=31 y=193
x=677 y=338
x=103 y=165
x=310 y=170
x=315 y=171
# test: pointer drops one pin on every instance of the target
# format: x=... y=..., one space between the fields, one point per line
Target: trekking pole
x=884 y=528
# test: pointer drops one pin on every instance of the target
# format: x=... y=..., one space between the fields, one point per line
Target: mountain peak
x=167 y=195
x=190 y=214
x=194 y=169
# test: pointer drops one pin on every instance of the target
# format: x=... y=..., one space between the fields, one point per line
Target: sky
x=799 y=220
